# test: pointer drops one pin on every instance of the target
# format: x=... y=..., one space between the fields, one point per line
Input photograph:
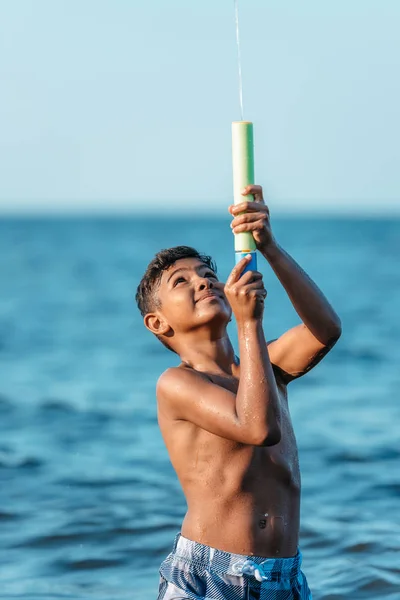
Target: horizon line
x=310 y=212
x=199 y=207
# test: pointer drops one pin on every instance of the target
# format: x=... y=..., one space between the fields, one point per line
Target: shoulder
x=175 y=381
x=168 y=380
x=177 y=391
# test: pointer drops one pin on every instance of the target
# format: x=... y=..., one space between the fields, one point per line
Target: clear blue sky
x=129 y=103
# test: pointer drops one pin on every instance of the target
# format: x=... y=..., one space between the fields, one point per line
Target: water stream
x=239 y=58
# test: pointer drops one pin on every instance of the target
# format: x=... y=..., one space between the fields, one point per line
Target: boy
x=226 y=422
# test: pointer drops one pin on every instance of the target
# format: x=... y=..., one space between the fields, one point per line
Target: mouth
x=208 y=296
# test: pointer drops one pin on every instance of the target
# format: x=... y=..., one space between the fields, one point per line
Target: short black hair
x=145 y=295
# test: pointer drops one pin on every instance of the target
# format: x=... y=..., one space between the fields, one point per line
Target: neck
x=209 y=355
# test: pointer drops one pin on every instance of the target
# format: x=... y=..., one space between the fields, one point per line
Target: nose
x=204 y=284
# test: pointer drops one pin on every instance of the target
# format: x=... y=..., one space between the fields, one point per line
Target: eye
x=210 y=274
x=178 y=280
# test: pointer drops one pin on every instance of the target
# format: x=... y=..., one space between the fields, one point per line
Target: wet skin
x=242 y=499
x=229 y=433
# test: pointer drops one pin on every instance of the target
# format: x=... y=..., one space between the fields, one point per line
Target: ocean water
x=89 y=504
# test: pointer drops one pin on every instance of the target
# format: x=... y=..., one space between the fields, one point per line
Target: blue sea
x=89 y=503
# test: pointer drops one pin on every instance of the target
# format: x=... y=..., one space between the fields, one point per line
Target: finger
x=262 y=297
x=252 y=226
x=254 y=190
x=245 y=278
x=237 y=270
x=261 y=293
x=253 y=290
x=250 y=277
x=247 y=218
x=245 y=207
x=255 y=286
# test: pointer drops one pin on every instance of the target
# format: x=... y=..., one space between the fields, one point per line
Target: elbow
x=337 y=329
x=333 y=334
x=336 y=333
x=271 y=438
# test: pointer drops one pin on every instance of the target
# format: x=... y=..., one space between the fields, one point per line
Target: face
x=191 y=295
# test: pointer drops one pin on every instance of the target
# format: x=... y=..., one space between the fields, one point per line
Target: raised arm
x=252 y=416
x=298 y=350
x=301 y=348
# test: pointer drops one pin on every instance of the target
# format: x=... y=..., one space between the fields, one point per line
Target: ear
x=156 y=324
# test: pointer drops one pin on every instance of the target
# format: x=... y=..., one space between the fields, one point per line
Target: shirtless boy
x=225 y=421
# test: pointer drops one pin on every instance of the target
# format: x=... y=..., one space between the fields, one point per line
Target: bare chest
x=242 y=463
x=199 y=456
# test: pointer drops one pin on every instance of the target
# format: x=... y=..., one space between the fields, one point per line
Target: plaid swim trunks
x=193 y=571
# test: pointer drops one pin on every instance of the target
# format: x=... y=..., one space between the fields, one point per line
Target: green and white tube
x=243 y=175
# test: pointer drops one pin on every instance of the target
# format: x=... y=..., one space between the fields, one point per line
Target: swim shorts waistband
x=220 y=561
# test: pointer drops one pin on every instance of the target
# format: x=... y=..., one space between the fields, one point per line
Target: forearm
x=307 y=299
x=257 y=399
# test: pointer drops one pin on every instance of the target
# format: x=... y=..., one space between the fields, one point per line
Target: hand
x=245 y=293
x=254 y=217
